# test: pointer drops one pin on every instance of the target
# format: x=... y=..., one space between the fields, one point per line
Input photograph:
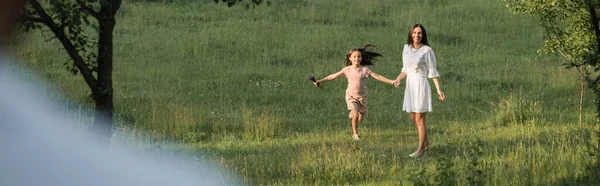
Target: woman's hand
x=396 y=83
x=441 y=95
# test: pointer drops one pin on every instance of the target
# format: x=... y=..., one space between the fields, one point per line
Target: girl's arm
x=441 y=95
x=381 y=78
x=329 y=78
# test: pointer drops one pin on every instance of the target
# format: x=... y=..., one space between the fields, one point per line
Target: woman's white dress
x=418 y=64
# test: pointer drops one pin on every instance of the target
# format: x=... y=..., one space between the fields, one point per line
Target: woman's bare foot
x=427 y=147
x=416 y=154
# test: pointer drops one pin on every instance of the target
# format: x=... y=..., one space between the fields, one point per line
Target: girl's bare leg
x=355 y=118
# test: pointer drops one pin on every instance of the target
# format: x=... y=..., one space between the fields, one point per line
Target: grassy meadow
x=230 y=84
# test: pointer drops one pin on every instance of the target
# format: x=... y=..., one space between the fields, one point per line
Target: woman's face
x=417 y=35
x=355 y=58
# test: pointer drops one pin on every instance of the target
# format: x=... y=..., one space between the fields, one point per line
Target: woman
x=418 y=64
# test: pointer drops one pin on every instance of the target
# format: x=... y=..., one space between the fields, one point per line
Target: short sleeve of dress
x=367 y=72
x=403 y=51
x=431 y=64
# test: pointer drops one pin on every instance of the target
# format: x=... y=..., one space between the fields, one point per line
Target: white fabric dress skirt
x=417 y=95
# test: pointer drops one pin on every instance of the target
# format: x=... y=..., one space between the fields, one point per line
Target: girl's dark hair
x=423 y=39
x=367 y=56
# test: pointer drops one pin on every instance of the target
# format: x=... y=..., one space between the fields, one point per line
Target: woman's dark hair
x=367 y=56
x=423 y=39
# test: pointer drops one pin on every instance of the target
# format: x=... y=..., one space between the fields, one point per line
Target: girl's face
x=355 y=58
x=417 y=35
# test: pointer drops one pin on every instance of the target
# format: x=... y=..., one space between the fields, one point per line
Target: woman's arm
x=401 y=76
x=381 y=78
x=441 y=95
x=329 y=78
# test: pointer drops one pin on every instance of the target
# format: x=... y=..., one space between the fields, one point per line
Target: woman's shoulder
x=406 y=48
x=427 y=48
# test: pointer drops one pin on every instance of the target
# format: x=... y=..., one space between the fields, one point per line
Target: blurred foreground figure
x=37 y=148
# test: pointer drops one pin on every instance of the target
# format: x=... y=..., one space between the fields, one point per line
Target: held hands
x=396 y=83
x=441 y=95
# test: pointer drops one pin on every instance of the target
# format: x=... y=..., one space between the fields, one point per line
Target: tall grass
x=516 y=109
x=229 y=83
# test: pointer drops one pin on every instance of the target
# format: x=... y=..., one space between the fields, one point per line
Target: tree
x=571 y=29
x=85 y=30
x=92 y=57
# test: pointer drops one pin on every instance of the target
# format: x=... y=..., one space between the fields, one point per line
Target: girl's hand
x=316 y=83
x=396 y=83
x=441 y=95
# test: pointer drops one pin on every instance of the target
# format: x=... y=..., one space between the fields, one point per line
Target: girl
x=357 y=72
x=418 y=64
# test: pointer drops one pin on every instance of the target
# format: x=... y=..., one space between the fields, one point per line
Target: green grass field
x=230 y=84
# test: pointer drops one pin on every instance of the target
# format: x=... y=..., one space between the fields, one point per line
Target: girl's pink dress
x=357 y=88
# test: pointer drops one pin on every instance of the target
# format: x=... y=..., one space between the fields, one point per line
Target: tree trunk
x=101 y=85
x=581 y=94
x=595 y=26
x=103 y=120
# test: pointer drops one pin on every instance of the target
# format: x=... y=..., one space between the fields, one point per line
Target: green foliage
x=441 y=174
x=445 y=174
x=567 y=24
x=569 y=30
x=516 y=109
x=418 y=177
x=592 y=174
x=475 y=175
x=191 y=71
x=68 y=19
x=447 y=171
